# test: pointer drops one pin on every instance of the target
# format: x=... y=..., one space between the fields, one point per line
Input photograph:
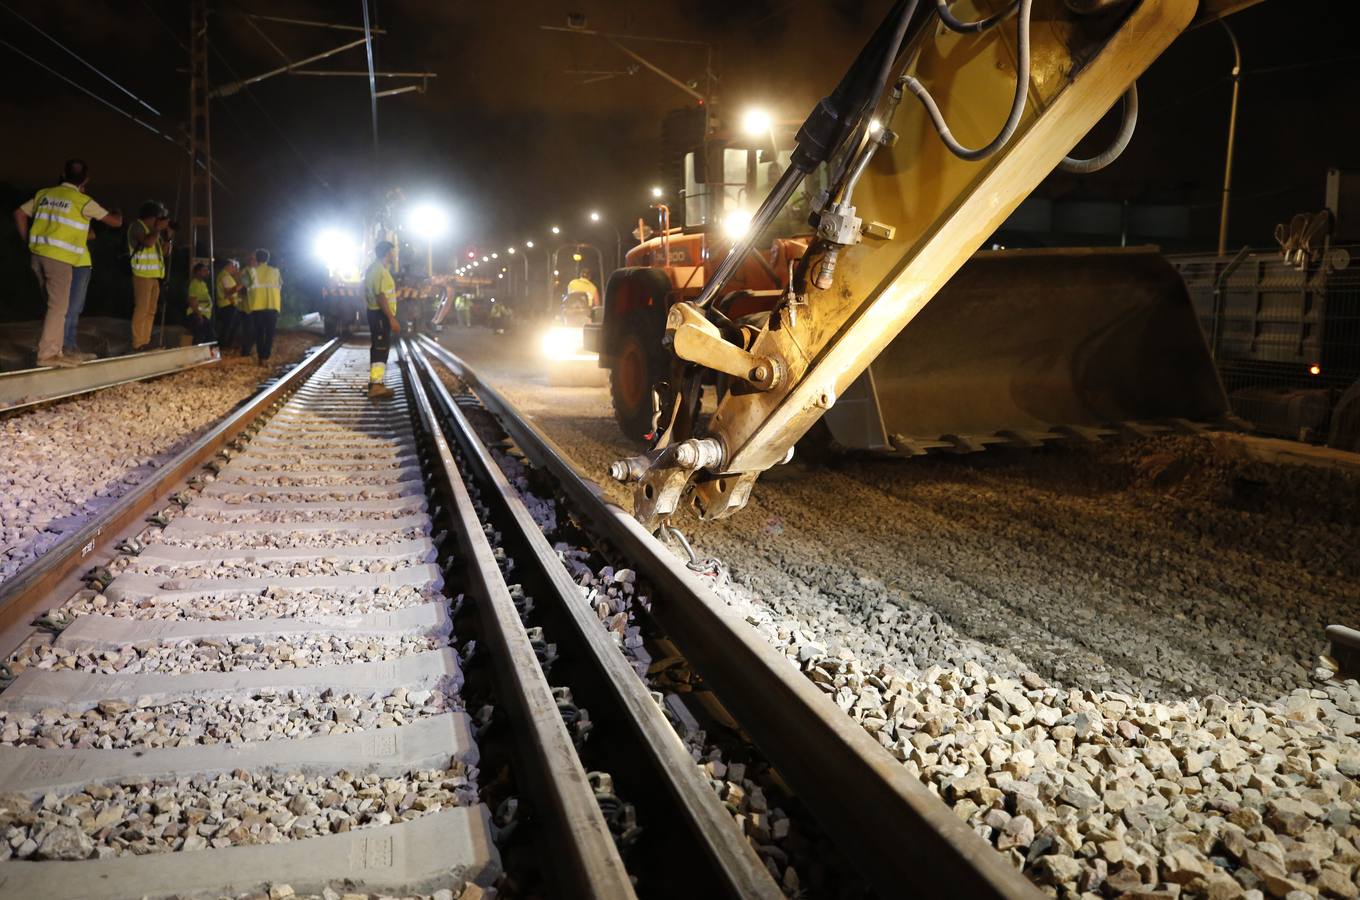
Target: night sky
x=514 y=143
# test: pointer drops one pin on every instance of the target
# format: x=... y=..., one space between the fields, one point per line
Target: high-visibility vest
x=378 y=283
x=147 y=262
x=60 y=229
x=200 y=300
x=264 y=288
x=225 y=282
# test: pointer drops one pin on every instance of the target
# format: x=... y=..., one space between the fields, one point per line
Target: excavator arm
x=903 y=214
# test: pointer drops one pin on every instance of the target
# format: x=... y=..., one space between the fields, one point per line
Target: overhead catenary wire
x=104 y=102
x=80 y=59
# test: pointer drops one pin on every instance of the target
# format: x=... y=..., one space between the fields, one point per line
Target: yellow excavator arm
x=954 y=114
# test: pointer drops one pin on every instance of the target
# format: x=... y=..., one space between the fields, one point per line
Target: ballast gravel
x=67 y=460
x=272 y=603
x=299 y=651
x=139 y=816
x=1102 y=659
x=257 y=716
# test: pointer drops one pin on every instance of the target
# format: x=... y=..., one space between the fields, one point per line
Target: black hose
x=1008 y=130
x=1120 y=144
x=981 y=25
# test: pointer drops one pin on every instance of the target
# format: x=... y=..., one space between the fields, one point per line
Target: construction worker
x=462 y=310
x=264 y=299
x=55 y=224
x=148 y=242
x=229 y=292
x=198 y=314
x=582 y=284
x=380 y=293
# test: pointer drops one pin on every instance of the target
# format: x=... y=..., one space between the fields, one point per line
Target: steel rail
x=731 y=863
x=902 y=837
x=27 y=387
x=20 y=594
x=584 y=856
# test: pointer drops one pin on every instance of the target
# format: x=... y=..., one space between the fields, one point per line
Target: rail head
x=882 y=817
x=587 y=862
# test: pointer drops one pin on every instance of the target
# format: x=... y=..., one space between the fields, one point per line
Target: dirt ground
x=1168 y=568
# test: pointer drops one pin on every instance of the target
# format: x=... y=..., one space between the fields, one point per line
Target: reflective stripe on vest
x=59 y=230
x=147 y=262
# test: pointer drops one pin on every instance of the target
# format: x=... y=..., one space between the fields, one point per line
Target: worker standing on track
x=148 y=244
x=198 y=314
x=229 y=292
x=380 y=293
x=264 y=300
x=55 y=224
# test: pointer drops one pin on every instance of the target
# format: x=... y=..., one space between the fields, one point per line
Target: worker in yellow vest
x=264 y=298
x=229 y=298
x=148 y=242
x=198 y=314
x=55 y=224
x=380 y=292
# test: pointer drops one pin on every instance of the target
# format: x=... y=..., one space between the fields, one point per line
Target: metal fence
x=1285 y=338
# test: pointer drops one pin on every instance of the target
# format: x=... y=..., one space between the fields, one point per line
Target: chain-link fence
x=1285 y=338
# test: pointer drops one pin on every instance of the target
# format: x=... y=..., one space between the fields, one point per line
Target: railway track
x=347 y=658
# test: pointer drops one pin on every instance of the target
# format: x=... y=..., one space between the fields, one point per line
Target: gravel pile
x=260 y=716
x=137 y=816
x=273 y=603
x=67 y=460
x=1111 y=794
x=301 y=651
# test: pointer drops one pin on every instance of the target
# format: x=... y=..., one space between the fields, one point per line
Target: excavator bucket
x=1027 y=346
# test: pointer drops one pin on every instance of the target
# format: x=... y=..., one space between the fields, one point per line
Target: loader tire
x=639 y=363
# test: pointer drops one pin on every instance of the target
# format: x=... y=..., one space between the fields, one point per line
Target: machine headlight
x=561 y=342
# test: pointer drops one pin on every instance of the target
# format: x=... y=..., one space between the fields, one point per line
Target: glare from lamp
x=556 y=230
x=736 y=223
x=657 y=193
x=594 y=216
x=529 y=244
x=429 y=220
x=756 y=122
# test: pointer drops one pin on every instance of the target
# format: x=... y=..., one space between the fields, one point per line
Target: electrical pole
x=200 y=139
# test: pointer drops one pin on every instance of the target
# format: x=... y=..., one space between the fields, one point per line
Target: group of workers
x=55 y=224
x=247 y=305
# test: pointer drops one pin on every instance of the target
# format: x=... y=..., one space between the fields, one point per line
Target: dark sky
x=514 y=143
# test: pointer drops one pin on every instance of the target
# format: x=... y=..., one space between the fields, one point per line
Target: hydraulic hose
x=1120 y=144
x=981 y=25
x=835 y=118
x=1022 y=56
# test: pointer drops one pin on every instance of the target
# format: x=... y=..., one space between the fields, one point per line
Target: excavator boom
x=918 y=182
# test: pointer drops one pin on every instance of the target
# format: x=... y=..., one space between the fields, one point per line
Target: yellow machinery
x=921 y=171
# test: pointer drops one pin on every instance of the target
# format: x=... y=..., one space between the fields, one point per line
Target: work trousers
x=262 y=324
x=228 y=324
x=54 y=277
x=380 y=332
x=145 y=293
x=80 y=285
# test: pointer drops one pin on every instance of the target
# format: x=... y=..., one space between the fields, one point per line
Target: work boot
x=379 y=391
x=58 y=362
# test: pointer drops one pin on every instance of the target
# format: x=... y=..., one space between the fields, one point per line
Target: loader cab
x=725 y=182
